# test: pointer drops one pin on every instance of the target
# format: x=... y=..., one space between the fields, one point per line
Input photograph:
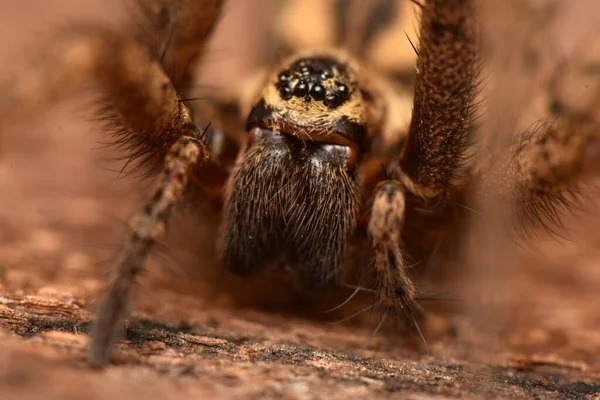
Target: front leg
x=396 y=290
x=443 y=109
x=153 y=123
x=447 y=75
x=186 y=154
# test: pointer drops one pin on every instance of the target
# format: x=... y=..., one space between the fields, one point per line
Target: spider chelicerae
x=315 y=164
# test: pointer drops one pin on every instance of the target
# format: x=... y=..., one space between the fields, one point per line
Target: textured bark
x=44 y=344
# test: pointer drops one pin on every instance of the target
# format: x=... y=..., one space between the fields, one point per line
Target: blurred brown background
x=62 y=210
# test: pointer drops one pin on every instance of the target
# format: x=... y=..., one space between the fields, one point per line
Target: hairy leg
x=144 y=105
x=184 y=155
x=396 y=290
x=434 y=151
x=152 y=122
x=541 y=174
x=175 y=32
x=447 y=75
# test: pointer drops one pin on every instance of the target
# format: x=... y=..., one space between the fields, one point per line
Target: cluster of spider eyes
x=306 y=87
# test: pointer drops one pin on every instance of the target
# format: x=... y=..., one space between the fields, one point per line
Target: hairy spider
x=322 y=140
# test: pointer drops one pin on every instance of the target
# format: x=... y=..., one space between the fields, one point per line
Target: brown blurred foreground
x=60 y=213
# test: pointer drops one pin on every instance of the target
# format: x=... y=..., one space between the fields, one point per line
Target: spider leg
x=447 y=70
x=175 y=33
x=396 y=292
x=145 y=104
x=541 y=174
x=184 y=155
x=434 y=151
x=396 y=289
x=154 y=123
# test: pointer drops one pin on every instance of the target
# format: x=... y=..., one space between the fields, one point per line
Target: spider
x=317 y=161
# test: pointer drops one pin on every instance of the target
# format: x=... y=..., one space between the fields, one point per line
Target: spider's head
x=320 y=79
x=294 y=193
x=316 y=97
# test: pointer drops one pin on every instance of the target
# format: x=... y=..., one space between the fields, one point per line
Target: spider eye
x=318 y=92
x=285 y=92
x=333 y=100
x=301 y=89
